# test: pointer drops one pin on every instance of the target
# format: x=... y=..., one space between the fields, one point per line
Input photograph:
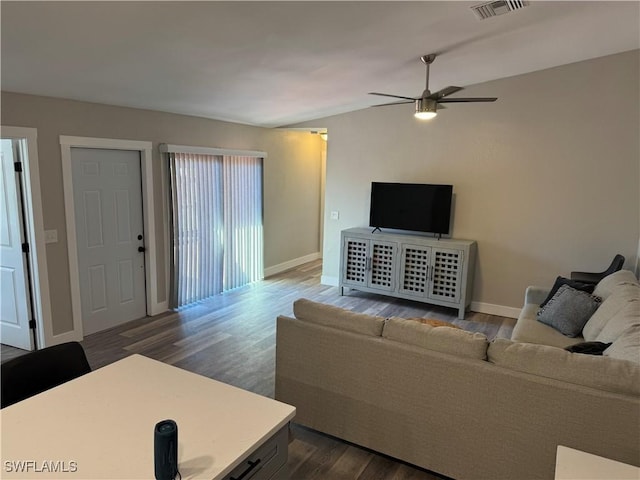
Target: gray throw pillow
x=568 y=310
x=584 y=287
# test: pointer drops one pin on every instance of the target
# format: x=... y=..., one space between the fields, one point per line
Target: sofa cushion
x=626 y=346
x=605 y=287
x=337 y=317
x=440 y=339
x=529 y=330
x=601 y=372
x=584 y=287
x=569 y=310
x=535 y=294
x=616 y=300
x=628 y=316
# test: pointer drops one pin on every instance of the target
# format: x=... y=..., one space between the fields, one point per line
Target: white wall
x=546 y=179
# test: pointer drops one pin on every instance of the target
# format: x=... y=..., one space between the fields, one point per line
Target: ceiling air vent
x=499 y=7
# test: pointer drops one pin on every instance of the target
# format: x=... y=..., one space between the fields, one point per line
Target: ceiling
x=278 y=63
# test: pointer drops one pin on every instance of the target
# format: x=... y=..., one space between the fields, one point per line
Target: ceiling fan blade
x=444 y=92
x=393 y=103
x=392 y=96
x=467 y=100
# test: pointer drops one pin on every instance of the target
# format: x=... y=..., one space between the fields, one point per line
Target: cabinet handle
x=252 y=465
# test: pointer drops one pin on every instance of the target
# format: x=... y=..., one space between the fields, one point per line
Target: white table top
x=574 y=464
x=104 y=423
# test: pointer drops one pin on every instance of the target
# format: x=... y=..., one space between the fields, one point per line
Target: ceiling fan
x=428 y=103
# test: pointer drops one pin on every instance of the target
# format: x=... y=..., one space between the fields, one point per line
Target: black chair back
x=595 y=277
x=37 y=371
x=616 y=265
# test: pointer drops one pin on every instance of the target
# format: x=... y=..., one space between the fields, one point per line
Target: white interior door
x=14 y=299
x=107 y=195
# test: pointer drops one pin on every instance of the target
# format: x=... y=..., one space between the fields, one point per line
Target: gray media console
x=415 y=267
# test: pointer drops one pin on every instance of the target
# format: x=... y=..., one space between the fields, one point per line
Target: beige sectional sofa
x=449 y=400
x=616 y=320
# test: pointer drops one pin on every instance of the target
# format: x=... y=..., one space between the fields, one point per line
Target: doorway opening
x=25 y=311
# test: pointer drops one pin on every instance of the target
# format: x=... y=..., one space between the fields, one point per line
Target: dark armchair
x=37 y=371
x=593 y=277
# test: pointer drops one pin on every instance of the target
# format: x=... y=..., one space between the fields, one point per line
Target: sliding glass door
x=217 y=236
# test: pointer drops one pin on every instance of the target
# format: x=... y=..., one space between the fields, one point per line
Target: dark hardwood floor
x=231 y=338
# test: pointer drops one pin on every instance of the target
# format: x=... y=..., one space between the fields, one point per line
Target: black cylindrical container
x=165 y=450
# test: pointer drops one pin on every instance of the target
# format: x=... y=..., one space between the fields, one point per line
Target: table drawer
x=266 y=461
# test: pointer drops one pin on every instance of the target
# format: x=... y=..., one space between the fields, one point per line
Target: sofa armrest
x=535 y=294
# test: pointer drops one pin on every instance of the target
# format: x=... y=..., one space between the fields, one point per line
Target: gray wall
x=292 y=175
x=546 y=179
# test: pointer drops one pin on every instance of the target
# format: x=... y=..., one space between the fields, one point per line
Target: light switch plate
x=335 y=215
x=50 y=236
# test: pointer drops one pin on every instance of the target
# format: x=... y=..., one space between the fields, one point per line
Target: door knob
x=141 y=249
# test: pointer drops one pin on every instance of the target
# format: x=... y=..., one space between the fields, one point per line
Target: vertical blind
x=242 y=192
x=217 y=224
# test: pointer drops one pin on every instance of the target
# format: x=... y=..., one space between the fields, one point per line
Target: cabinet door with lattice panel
x=355 y=261
x=414 y=270
x=446 y=274
x=382 y=266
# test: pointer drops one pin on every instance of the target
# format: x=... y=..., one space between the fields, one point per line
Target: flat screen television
x=411 y=206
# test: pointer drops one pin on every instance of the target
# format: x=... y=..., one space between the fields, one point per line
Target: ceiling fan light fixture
x=427 y=103
x=426 y=109
x=425 y=115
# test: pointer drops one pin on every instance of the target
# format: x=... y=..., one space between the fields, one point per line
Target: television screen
x=411 y=206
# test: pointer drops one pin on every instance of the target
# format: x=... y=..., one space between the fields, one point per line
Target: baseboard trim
x=159 y=308
x=331 y=281
x=491 y=309
x=70 y=336
x=296 y=262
